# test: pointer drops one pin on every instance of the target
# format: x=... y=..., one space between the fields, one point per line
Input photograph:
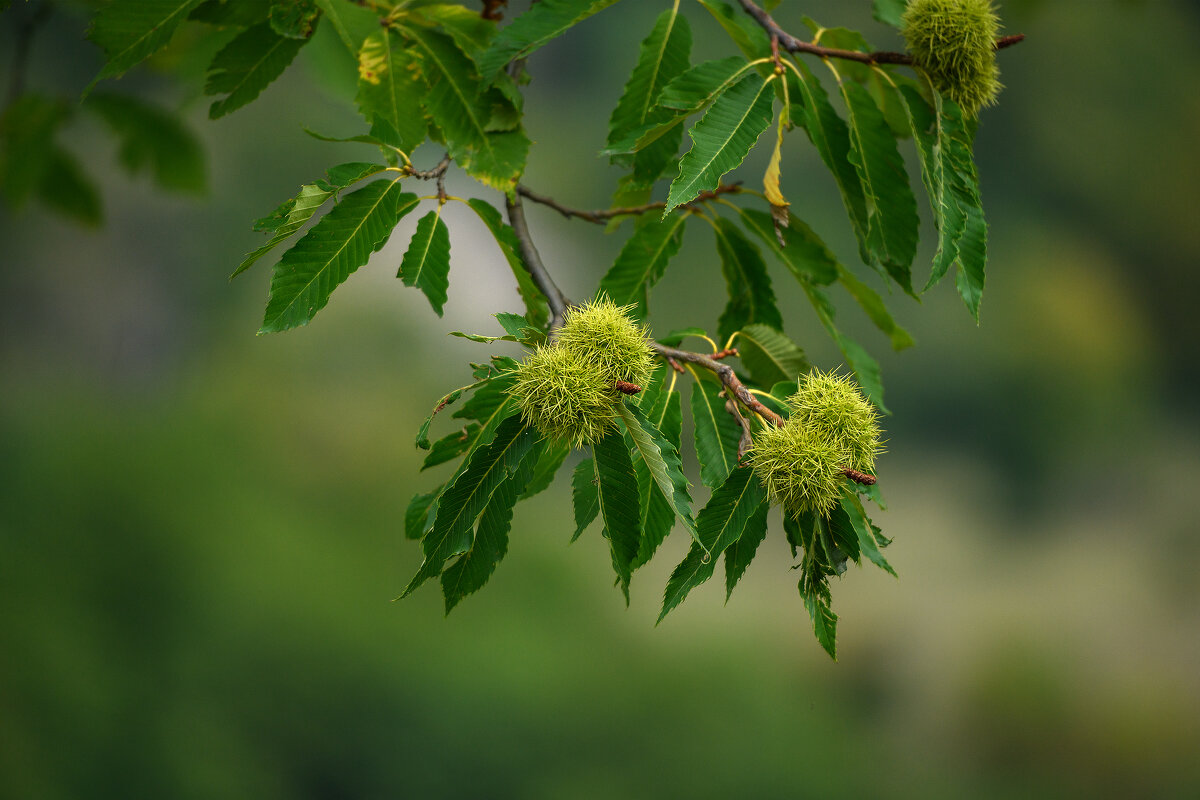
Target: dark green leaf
x=873 y=305
x=661 y=459
x=856 y=515
x=553 y=456
x=770 y=356
x=537 y=26
x=352 y=22
x=333 y=249
x=745 y=33
x=805 y=255
x=132 y=30
x=451 y=446
x=643 y=260
x=487 y=398
x=823 y=619
x=717 y=433
x=423 y=431
x=416 y=518
x=889 y=12
x=751 y=298
x=28 y=128
x=536 y=309
x=66 y=189
x=390 y=88
x=865 y=367
x=234 y=14
x=617 y=495
x=676 y=337
x=294 y=19
x=245 y=66
x=739 y=554
x=426 y=263
x=152 y=139
x=585 y=496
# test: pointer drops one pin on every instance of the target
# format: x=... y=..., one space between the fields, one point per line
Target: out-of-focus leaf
x=889 y=12
x=643 y=260
x=805 y=254
x=132 y=30
x=246 y=66
x=235 y=14
x=294 y=19
x=536 y=309
x=66 y=189
x=751 y=298
x=352 y=22
x=866 y=368
x=417 y=515
x=873 y=305
x=543 y=21
x=152 y=139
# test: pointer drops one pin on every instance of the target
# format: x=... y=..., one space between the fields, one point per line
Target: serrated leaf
x=856 y=515
x=418 y=512
x=352 y=22
x=716 y=433
x=770 y=355
x=643 y=260
x=585 y=497
x=133 y=30
x=823 y=619
x=751 y=298
x=333 y=249
x=722 y=138
x=466 y=26
x=543 y=21
x=490 y=395
x=661 y=459
x=423 y=432
x=805 y=255
x=745 y=32
x=450 y=446
x=892 y=221
x=472 y=570
x=873 y=305
x=553 y=455
x=246 y=66
x=463 y=501
x=739 y=554
x=154 y=140
x=426 y=263
x=866 y=368
x=842 y=534
x=889 y=12
x=698 y=86
x=972 y=255
x=661 y=402
x=240 y=14
x=294 y=19
x=720 y=523
x=461 y=111
x=291 y=216
x=537 y=310
x=390 y=88
x=617 y=497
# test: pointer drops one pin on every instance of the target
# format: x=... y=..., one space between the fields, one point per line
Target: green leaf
x=294 y=19
x=352 y=22
x=805 y=255
x=585 y=496
x=745 y=33
x=889 y=12
x=698 y=86
x=461 y=111
x=972 y=255
x=291 y=216
x=537 y=311
x=751 y=298
x=152 y=139
x=892 y=221
x=423 y=432
x=416 y=518
x=487 y=398
x=719 y=525
x=390 y=88
x=856 y=515
x=661 y=402
x=537 y=26
x=333 y=249
x=27 y=132
x=866 y=368
x=662 y=460
x=716 y=433
x=132 y=30
x=66 y=189
x=843 y=535
x=873 y=305
x=739 y=554
x=769 y=355
x=240 y=14
x=643 y=260
x=451 y=446
x=466 y=26
x=464 y=500
x=426 y=263
x=245 y=66
x=470 y=572
x=552 y=458
x=617 y=496
x=676 y=337
x=722 y=138
x=823 y=619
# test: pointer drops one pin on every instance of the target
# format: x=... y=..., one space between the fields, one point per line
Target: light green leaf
x=133 y=30
x=466 y=26
x=661 y=459
x=352 y=22
x=426 y=263
x=722 y=138
x=585 y=496
x=751 y=298
x=739 y=554
x=333 y=249
x=543 y=21
x=716 y=433
x=805 y=255
x=720 y=524
x=873 y=305
x=661 y=402
x=769 y=355
x=617 y=496
x=390 y=88
x=643 y=260
x=972 y=255
x=536 y=309
x=245 y=66
x=154 y=140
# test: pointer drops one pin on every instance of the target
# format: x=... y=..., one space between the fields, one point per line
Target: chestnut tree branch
x=533 y=262
x=733 y=386
x=600 y=216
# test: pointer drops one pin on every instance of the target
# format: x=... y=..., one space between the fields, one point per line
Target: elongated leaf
x=617 y=496
x=866 y=368
x=466 y=26
x=972 y=255
x=537 y=26
x=585 y=496
x=536 y=309
x=450 y=446
x=805 y=254
x=722 y=138
x=716 y=432
x=240 y=14
x=661 y=459
x=333 y=249
x=472 y=570
x=132 y=30
x=487 y=398
x=417 y=515
x=842 y=535
x=823 y=619
x=745 y=32
x=246 y=66
x=352 y=22
x=751 y=298
x=891 y=209
x=856 y=515
x=770 y=356
x=553 y=455
x=291 y=216
x=643 y=260
x=154 y=140
x=698 y=86
x=463 y=501
x=657 y=513
x=720 y=524
x=461 y=111
x=873 y=305
x=426 y=263
x=739 y=554
x=65 y=188
x=390 y=88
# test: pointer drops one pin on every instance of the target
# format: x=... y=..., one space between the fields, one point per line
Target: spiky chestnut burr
x=602 y=334
x=564 y=396
x=954 y=43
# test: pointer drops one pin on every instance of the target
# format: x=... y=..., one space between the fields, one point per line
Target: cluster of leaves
x=442 y=72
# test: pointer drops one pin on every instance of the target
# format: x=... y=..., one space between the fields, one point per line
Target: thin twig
x=727 y=376
x=533 y=262
x=745 y=442
x=794 y=45
x=600 y=216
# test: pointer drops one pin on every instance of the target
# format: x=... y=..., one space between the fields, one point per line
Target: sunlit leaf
x=390 y=88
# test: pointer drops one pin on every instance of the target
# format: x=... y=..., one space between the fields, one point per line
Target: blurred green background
x=201 y=529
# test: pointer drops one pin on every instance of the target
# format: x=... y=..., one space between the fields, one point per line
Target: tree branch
x=793 y=45
x=600 y=216
x=733 y=386
x=745 y=442
x=533 y=262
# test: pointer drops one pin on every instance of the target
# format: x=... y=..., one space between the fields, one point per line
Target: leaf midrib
x=280 y=41
x=733 y=132
x=713 y=418
x=183 y=6
x=446 y=75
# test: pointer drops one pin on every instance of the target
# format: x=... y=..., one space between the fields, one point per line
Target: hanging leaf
x=241 y=14
x=769 y=355
x=866 y=368
x=643 y=260
x=751 y=298
x=333 y=249
x=889 y=12
x=246 y=66
x=390 y=88
x=722 y=138
x=698 y=86
x=352 y=22
x=661 y=459
x=856 y=515
x=719 y=525
x=739 y=554
x=426 y=263
x=716 y=432
x=418 y=514
x=294 y=19
x=874 y=307
x=617 y=496
x=543 y=21
x=553 y=455
x=131 y=31
x=824 y=620
x=450 y=446
x=536 y=309
x=585 y=496
x=804 y=254
x=154 y=140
